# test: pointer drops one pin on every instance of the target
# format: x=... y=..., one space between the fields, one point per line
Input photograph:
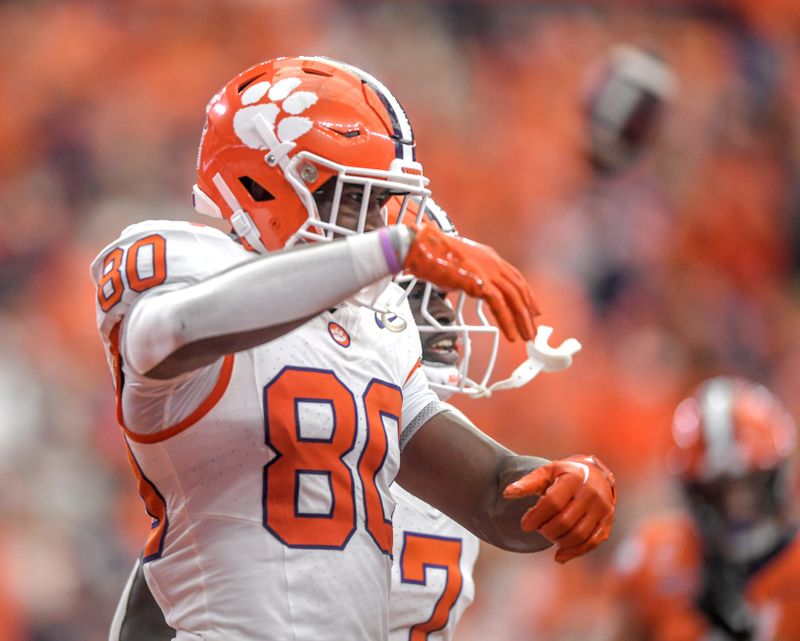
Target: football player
x=434 y=556
x=729 y=568
x=264 y=408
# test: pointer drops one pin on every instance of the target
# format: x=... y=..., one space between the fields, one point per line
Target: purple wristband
x=388 y=250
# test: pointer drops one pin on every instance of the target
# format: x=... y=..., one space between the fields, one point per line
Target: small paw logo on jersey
x=339 y=334
x=285 y=103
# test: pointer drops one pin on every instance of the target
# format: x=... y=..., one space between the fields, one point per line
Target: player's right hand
x=576 y=505
x=455 y=263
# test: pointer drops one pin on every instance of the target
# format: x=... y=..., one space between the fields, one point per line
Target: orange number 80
x=152 y=261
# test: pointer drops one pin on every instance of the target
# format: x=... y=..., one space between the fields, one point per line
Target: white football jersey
x=269 y=497
x=432 y=582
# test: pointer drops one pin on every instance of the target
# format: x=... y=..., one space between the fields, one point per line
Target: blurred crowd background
x=682 y=267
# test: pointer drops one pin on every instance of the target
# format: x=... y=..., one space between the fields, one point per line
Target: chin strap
x=375 y=297
x=542 y=357
x=277 y=154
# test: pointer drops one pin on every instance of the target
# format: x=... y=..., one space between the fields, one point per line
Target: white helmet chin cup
x=442 y=378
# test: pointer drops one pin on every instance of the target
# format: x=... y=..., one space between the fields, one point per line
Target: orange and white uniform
x=432 y=582
x=658 y=575
x=434 y=558
x=266 y=473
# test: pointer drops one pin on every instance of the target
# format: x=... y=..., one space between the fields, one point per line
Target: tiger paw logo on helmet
x=280 y=130
x=292 y=103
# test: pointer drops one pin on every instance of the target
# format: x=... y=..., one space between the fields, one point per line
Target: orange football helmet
x=732 y=443
x=729 y=427
x=280 y=130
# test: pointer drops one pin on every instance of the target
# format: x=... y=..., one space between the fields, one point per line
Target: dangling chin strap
x=541 y=358
x=243 y=225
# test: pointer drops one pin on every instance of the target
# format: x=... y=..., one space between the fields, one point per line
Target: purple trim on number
x=388 y=250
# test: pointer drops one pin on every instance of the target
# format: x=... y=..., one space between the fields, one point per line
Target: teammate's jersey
x=658 y=572
x=432 y=581
x=269 y=496
x=434 y=558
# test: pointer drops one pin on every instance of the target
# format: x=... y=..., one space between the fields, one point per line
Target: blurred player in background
x=729 y=567
x=264 y=405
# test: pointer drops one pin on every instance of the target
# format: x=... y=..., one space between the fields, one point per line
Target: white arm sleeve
x=258 y=294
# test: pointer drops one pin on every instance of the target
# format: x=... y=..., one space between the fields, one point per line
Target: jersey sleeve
x=156 y=255
x=420 y=404
x=147 y=259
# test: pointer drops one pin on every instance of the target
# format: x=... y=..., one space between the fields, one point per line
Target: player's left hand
x=450 y=262
x=576 y=505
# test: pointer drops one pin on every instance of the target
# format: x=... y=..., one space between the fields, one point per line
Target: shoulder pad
x=153 y=254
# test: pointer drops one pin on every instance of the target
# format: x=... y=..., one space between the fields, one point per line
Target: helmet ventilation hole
x=256 y=191
x=248 y=82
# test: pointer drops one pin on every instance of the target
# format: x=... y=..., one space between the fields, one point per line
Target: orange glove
x=455 y=263
x=576 y=508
